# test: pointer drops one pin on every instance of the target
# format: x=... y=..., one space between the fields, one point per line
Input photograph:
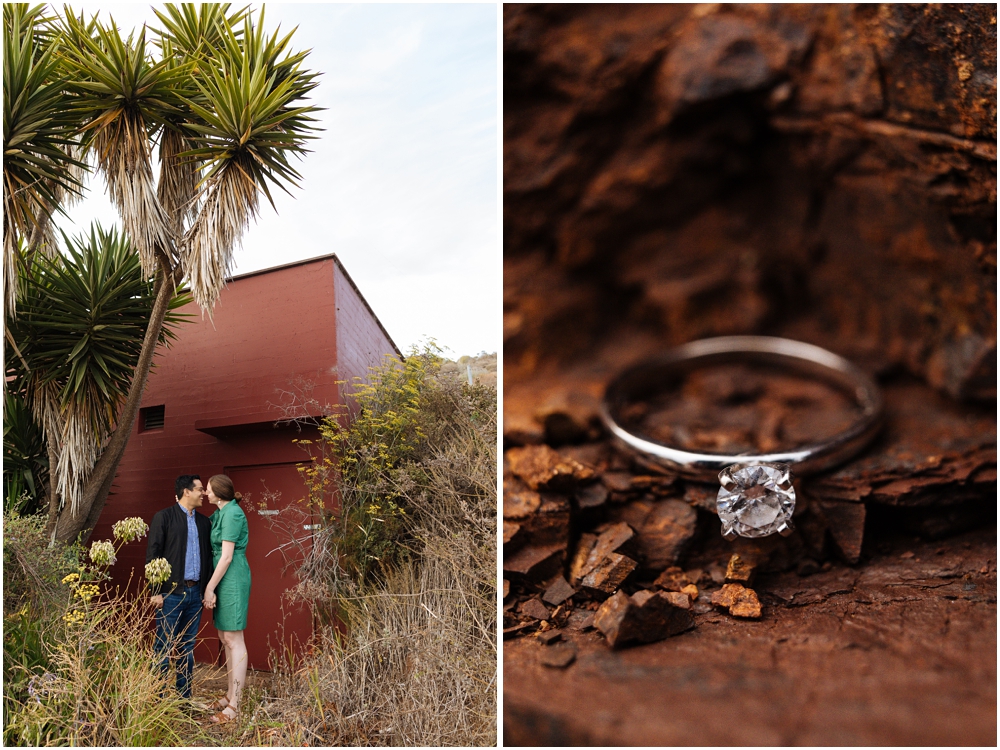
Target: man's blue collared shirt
x=192 y=556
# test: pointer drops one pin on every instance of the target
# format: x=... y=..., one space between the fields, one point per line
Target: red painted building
x=211 y=407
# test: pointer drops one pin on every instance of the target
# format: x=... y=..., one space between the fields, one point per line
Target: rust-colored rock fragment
x=548 y=637
x=535 y=543
x=558 y=592
x=613 y=537
x=608 y=574
x=738 y=600
x=672 y=579
x=617 y=481
x=534 y=608
x=550 y=524
x=643 y=618
x=535 y=562
x=506 y=588
x=740 y=570
x=569 y=418
x=592 y=496
x=510 y=530
x=846 y=524
x=580 y=619
x=691 y=591
x=664 y=528
x=542 y=468
x=578 y=565
x=518 y=501
x=516 y=630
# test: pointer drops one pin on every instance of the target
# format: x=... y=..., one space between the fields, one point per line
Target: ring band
x=646 y=378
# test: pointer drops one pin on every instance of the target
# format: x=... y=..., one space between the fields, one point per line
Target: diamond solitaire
x=756 y=499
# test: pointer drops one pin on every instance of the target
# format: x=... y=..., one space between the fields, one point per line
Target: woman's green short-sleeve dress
x=229 y=524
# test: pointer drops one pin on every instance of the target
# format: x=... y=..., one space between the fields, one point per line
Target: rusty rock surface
x=899 y=652
x=821 y=172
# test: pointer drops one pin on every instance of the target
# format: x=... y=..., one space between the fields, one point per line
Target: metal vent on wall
x=151 y=418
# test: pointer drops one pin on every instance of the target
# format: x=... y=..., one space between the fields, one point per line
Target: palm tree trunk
x=95 y=494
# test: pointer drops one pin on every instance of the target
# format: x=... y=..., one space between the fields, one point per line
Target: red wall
x=220 y=384
x=360 y=345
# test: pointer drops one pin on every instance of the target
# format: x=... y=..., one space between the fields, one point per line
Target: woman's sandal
x=222 y=717
x=221 y=703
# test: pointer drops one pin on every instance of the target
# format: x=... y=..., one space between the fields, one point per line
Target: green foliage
x=354 y=482
x=83 y=317
x=78 y=337
x=244 y=110
x=32 y=568
x=99 y=686
x=25 y=458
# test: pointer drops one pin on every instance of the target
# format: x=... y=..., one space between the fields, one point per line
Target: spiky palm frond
x=40 y=167
x=249 y=121
x=125 y=97
x=80 y=330
x=195 y=30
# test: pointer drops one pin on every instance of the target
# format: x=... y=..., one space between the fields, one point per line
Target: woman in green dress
x=228 y=592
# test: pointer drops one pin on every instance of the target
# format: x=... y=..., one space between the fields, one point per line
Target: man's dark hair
x=184 y=482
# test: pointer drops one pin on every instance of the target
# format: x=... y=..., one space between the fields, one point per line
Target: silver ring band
x=646 y=379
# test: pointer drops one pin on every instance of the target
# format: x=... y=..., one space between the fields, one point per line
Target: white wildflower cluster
x=157 y=571
x=130 y=529
x=103 y=553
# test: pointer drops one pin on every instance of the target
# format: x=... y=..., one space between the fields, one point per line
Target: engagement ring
x=756 y=497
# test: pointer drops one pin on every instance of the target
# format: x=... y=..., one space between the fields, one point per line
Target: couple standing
x=208 y=568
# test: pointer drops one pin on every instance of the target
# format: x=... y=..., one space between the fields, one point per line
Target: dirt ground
x=877 y=655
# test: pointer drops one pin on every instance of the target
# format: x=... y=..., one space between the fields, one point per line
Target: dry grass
x=415 y=660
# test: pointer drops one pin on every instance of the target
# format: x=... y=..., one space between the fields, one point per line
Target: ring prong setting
x=756 y=499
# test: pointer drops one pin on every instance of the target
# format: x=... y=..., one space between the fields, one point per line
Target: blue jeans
x=176 y=627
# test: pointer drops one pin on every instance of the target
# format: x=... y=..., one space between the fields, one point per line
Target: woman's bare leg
x=224 y=636
x=238 y=673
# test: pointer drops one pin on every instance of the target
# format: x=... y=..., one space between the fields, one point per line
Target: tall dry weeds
x=414 y=661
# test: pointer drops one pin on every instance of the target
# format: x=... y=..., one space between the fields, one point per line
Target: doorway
x=280 y=533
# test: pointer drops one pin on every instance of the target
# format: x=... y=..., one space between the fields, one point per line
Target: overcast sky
x=402 y=182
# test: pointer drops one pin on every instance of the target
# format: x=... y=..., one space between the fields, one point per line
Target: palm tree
x=40 y=139
x=223 y=101
x=78 y=333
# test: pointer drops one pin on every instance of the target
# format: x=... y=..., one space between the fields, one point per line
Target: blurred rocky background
x=821 y=172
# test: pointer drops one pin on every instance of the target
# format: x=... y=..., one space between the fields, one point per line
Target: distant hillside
x=483 y=368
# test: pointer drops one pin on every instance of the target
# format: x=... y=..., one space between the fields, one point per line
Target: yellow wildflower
x=74 y=617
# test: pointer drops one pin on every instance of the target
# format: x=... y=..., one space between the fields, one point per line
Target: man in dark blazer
x=182 y=535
